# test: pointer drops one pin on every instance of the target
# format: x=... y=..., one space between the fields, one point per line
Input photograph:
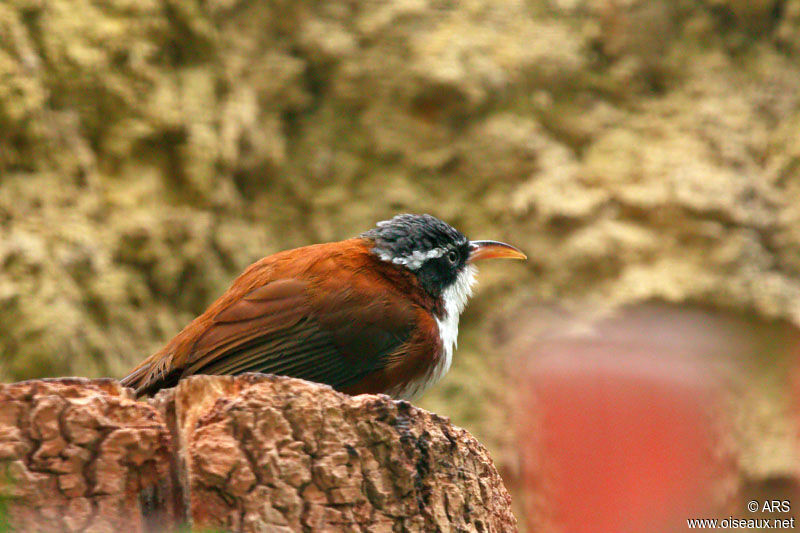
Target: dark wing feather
x=280 y=328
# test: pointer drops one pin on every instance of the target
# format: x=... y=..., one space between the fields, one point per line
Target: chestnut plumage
x=374 y=314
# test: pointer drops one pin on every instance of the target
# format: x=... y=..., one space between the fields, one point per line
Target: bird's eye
x=452 y=256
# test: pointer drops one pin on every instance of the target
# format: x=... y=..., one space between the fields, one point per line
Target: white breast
x=455 y=299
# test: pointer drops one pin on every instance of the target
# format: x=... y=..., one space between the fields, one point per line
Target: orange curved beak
x=493 y=250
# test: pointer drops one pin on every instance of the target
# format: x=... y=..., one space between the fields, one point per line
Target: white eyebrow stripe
x=413 y=261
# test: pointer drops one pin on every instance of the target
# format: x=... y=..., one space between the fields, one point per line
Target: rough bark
x=76 y=454
x=250 y=453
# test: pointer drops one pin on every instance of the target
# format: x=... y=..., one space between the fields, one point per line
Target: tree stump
x=76 y=454
x=246 y=453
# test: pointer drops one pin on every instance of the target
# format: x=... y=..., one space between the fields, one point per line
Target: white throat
x=455 y=299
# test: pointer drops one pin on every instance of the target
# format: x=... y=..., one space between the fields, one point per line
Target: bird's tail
x=137 y=377
x=134 y=377
x=150 y=375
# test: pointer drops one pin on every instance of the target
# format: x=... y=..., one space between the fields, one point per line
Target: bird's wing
x=335 y=336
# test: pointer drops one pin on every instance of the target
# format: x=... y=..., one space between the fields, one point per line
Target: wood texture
x=76 y=454
x=245 y=453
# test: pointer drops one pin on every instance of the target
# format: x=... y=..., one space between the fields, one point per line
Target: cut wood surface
x=245 y=453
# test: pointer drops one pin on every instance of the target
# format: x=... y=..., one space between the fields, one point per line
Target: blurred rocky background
x=637 y=150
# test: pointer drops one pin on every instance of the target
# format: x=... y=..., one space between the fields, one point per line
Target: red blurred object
x=621 y=427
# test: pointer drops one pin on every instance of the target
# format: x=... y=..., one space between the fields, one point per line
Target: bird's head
x=439 y=255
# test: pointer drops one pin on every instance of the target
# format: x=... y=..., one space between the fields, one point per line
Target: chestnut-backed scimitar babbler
x=374 y=314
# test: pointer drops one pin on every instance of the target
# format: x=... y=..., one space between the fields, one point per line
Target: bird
x=377 y=313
